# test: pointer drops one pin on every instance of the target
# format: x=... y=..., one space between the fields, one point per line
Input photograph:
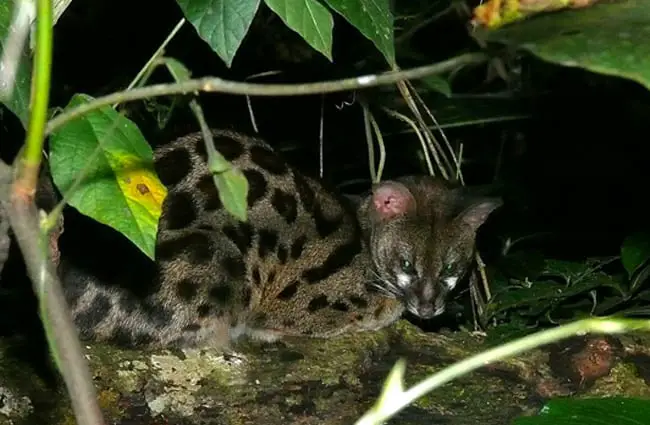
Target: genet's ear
x=391 y=199
x=478 y=211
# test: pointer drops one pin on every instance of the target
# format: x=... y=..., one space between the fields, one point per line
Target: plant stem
x=607 y=325
x=40 y=97
x=34 y=243
x=213 y=84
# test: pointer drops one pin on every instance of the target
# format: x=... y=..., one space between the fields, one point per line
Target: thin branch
x=213 y=84
x=157 y=54
x=382 y=148
x=23 y=217
x=34 y=244
x=436 y=149
x=394 y=398
x=418 y=133
x=419 y=99
x=369 y=142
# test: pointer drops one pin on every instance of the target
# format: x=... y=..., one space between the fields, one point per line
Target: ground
x=334 y=381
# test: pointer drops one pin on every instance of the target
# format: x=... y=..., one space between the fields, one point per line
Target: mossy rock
x=297 y=380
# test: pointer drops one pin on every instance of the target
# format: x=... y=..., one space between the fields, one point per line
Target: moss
x=108 y=402
x=622 y=379
x=306 y=380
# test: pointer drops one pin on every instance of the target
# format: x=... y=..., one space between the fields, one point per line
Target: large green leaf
x=308 y=18
x=609 y=38
x=223 y=24
x=635 y=251
x=373 y=19
x=120 y=188
x=547 y=287
x=591 y=411
x=19 y=101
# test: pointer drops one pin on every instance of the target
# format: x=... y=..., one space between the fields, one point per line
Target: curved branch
x=214 y=84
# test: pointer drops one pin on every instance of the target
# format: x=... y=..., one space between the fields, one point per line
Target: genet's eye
x=407 y=266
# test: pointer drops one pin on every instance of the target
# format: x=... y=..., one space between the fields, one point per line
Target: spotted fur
x=303 y=264
x=296 y=267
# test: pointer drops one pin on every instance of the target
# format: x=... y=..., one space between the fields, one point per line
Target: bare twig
x=418 y=133
x=382 y=148
x=213 y=84
x=369 y=142
x=24 y=220
x=148 y=67
x=394 y=397
x=34 y=243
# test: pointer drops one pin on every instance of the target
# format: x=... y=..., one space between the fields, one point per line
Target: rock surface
x=309 y=381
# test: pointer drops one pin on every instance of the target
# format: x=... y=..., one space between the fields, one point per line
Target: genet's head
x=422 y=239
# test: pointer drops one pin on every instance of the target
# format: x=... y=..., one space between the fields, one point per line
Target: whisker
x=383 y=285
x=380 y=288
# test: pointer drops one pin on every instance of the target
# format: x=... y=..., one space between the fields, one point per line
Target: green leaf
x=544 y=293
x=178 y=70
x=231 y=183
x=373 y=19
x=219 y=164
x=437 y=84
x=608 y=37
x=635 y=251
x=223 y=24
x=120 y=187
x=233 y=189
x=19 y=101
x=308 y=18
x=590 y=411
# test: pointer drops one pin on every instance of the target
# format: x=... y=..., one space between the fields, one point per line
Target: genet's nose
x=426 y=311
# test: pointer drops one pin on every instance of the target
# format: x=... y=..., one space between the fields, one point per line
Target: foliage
x=231 y=182
x=19 y=102
x=529 y=289
x=609 y=38
x=615 y=410
x=120 y=187
x=223 y=24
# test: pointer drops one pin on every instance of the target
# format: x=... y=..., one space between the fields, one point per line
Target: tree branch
x=214 y=84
